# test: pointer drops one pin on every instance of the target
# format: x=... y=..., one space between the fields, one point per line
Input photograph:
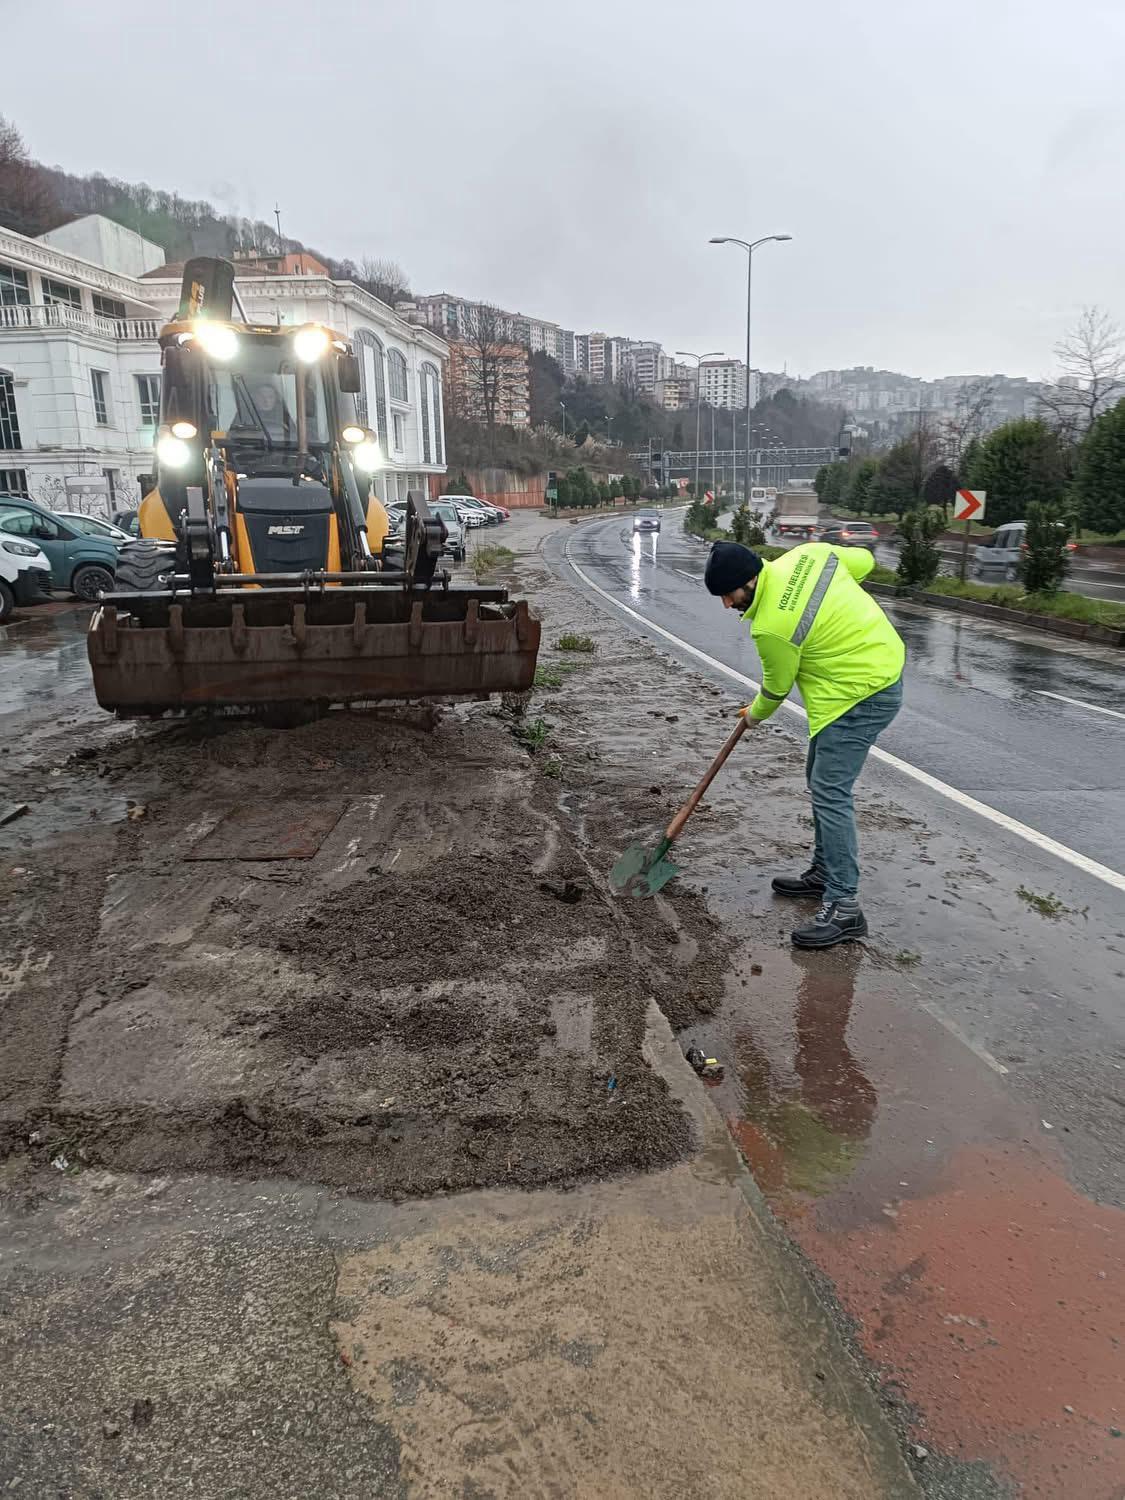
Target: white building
x=79 y=365
x=722 y=382
x=648 y=363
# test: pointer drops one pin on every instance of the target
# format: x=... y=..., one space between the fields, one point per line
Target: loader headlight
x=352 y=434
x=216 y=341
x=365 y=456
x=310 y=344
x=173 y=451
x=184 y=430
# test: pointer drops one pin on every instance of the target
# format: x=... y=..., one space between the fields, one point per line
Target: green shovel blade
x=643 y=872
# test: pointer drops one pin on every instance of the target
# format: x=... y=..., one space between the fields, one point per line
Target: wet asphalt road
x=984 y=709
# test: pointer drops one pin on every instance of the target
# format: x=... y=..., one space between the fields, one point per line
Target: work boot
x=811 y=883
x=835 y=922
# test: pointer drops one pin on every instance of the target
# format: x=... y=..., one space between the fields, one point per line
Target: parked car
x=646 y=520
x=94 y=526
x=128 y=521
x=1000 y=557
x=454 y=531
x=471 y=517
x=489 y=512
x=83 y=565
x=25 y=575
x=849 y=534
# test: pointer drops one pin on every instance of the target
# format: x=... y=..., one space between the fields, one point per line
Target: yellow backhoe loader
x=260 y=579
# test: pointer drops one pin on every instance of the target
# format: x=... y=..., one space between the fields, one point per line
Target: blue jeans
x=835 y=759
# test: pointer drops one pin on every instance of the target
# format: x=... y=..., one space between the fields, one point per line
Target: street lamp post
x=699 y=358
x=562 y=404
x=749 y=246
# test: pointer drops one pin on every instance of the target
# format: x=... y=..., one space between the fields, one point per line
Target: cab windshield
x=267 y=399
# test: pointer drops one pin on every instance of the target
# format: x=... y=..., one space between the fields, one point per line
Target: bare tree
x=27 y=201
x=971 y=418
x=1092 y=360
x=489 y=354
x=384 y=279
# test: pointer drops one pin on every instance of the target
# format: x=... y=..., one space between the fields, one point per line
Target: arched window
x=424 y=414
x=430 y=383
x=371 y=404
x=396 y=364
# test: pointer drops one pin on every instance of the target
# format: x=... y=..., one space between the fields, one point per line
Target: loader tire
x=140 y=566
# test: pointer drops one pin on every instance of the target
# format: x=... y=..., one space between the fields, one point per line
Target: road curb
x=1074 y=629
x=842 y=1372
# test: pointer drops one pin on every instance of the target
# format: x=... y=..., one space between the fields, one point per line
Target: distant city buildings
x=722 y=383
x=887 y=402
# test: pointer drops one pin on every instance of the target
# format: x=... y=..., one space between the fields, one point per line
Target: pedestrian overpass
x=718 y=466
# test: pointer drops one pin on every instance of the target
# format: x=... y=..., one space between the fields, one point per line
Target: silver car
x=454 y=529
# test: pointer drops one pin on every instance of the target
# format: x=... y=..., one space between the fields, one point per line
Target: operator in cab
x=814 y=627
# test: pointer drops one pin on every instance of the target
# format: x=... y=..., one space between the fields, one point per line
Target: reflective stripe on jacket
x=814 y=625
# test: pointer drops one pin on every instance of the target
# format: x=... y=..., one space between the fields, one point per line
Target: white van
x=25 y=574
x=1000 y=558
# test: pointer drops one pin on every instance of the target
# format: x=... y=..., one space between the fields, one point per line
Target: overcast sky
x=951 y=173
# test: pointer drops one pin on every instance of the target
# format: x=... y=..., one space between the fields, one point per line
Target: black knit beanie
x=730 y=566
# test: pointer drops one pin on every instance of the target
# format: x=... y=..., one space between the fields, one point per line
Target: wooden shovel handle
x=675 y=827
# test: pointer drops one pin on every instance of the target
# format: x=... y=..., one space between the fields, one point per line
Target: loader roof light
x=352 y=434
x=365 y=455
x=217 y=340
x=173 y=452
x=184 y=430
x=310 y=344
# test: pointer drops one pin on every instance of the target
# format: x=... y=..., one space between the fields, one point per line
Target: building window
x=108 y=307
x=98 y=383
x=424 y=414
x=148 y=394
x=371 y=404
x=396 y=364
x=60 y=294
x=14 y=482
x=9 y=425
x=430 y=385
x=400 y=432
x=14 y=288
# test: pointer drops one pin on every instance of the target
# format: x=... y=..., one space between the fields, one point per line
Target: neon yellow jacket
x=813 y=625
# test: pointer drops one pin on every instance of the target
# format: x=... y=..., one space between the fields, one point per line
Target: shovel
x=643 y=872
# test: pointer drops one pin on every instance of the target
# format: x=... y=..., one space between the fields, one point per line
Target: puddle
x=63 y=812
x=983 y=1286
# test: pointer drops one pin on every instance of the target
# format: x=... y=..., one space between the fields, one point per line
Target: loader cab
x=263 y=421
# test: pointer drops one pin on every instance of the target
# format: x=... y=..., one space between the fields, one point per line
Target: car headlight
x=217 y=340
x=21 y=549
x=310 y=344
x=365 y=456
x=173 y=451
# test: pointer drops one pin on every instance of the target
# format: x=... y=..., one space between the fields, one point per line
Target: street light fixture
x=699 y=358
x=749 y=246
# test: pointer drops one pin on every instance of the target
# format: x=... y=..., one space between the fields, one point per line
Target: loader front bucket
x=272 y=647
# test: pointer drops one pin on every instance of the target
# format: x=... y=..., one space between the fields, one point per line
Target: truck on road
x=798 y=512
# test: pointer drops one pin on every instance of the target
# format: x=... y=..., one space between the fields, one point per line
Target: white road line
x=1031 y=836
x=1095 y=708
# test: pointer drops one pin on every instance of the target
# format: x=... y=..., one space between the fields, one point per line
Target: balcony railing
x=59 y=315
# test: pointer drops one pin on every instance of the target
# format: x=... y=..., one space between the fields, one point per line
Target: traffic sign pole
x=968 y=506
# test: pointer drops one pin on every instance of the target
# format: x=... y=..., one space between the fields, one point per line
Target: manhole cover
x=264 y=830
